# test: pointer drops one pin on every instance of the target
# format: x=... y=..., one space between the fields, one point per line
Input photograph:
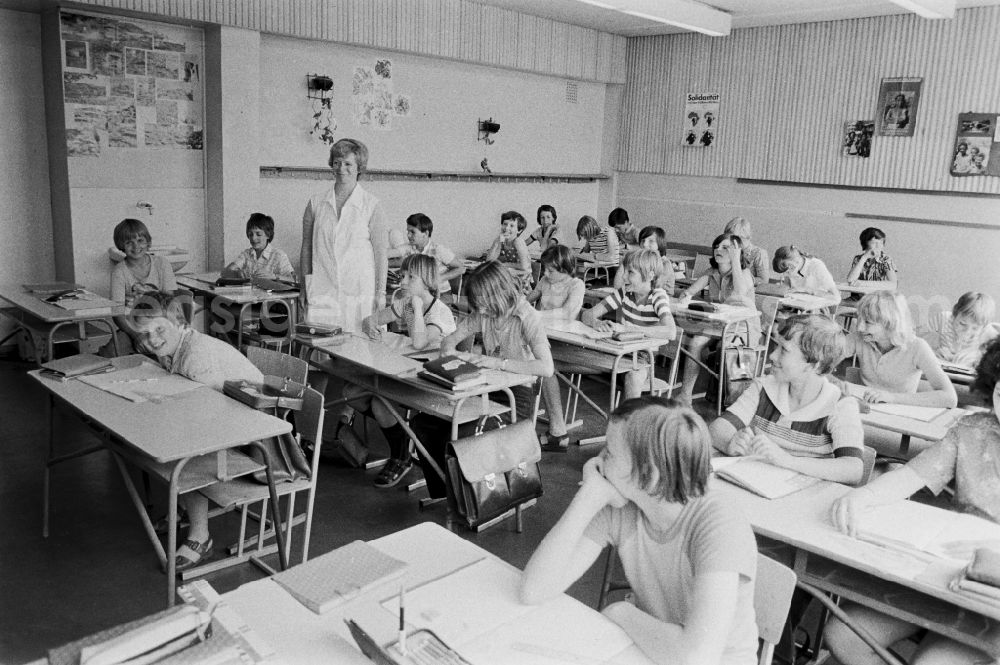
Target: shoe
x=559 y=445
x=191 y=553
x=393 y=472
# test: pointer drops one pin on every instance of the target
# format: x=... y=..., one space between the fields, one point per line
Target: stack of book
x=72 y=297
x=82 y=364
x=453 y=372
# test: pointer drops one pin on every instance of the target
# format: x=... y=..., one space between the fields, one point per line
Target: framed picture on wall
x=976 y=150
x=898 y=103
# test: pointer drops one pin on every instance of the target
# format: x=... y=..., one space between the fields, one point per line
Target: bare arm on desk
x=889 y=488
x=942 y=391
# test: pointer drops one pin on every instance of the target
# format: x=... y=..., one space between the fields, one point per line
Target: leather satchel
x=493 y=472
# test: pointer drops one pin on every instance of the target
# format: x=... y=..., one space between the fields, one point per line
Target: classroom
x=856 y=143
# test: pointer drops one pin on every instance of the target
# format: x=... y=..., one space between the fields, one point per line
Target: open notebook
x=922 y=413
x=761 y=478
x=918 y=528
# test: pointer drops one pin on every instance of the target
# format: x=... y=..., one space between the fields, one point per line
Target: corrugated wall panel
x=787 y=91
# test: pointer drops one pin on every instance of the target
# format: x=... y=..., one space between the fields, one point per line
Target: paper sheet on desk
x=922 y=413
x=577 y=328
x=919 y=527
x=142 y=383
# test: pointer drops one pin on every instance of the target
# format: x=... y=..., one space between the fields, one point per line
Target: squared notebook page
x=145 y=382
x=334 y=578
x=766 y=480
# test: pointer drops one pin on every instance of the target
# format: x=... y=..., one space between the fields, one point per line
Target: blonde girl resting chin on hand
x=689 y=556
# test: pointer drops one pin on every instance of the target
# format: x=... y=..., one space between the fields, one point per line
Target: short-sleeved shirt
x=436 y=314
x=813 y=276
x=210 y=361
x=876 y=269
x=544 y=236
x=160 y=278
x=710 y=535
x=444 y=257
x=829 y=426
x=722 y=289
x=604 y=246
x=665 y=277
x=760 y=265
x=511 y=337
x=626 y=238
x=565 y=293
x=650 y=311
x=272 y=262
x=948 y=347
x=898 y=370
x=969 y=455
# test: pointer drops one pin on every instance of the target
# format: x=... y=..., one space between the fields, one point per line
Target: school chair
x=272 y=312
x=240 y=493
x=773 y=586
x=671 y=355
x=276 y=363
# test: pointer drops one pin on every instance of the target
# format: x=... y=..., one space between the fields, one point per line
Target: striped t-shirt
x=654 y=310
x=604 y=246
x=829 y=426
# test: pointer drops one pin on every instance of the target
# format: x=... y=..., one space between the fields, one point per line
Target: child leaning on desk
x=804 y=272
x=159 y=322
x=893 y=359
x=509 y=248
x=795 y=418
x=959 y=336
x=261 y=259
x=419 y=229
x=558 y=297
x=873 y=266
x=545 y=234
x=139 y=273
x=638 y=304
x=598 y=244
x=689 y=555
x=756 y=256
x=966 y=456
x=513 y=339
x=427 y=320
x=654 y=239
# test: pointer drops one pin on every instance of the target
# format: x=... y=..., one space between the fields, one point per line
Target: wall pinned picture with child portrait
x=973 y=142
x=898 y=99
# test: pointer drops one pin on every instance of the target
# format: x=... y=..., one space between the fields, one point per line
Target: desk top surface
x=463 y=593
x=28 y=302
x=934 y=429
x=205 y=283
x=801 y=519
x=193 y=423
x=580 y=334
x=862 y=288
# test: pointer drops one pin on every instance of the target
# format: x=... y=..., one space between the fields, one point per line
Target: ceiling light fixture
x=929 y=8
x=684 y=14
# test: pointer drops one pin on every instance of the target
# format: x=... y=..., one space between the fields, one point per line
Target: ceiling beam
x=929 y=8
x=685 y=14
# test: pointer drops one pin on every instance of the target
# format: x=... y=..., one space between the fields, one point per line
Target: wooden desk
x=203 y=284
x=47 y=324
x=862 y=289
x=572 y=343
x=480 y=616
x=932 y=430
x=185 y=439
x=797 y=528
x=794 y=300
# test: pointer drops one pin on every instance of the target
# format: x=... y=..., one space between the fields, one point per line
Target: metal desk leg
x=834 y=609
x=171 y=553
x=279 y=534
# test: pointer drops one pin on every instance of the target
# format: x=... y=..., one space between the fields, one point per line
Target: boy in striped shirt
x=637 y=305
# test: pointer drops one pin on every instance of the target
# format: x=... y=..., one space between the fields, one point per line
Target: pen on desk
x=402 y=619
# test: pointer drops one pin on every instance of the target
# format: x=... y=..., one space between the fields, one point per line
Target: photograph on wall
x=898 y=104
x=701 y=119
x=977 y=145
x=75 y=55
x=857 y=141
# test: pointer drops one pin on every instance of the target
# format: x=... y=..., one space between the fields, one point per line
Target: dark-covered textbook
x=78 y=365
x=452 y=372
x=338 y=576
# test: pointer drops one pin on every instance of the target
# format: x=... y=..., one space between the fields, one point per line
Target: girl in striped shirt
x=598 y=244
x=638 y=305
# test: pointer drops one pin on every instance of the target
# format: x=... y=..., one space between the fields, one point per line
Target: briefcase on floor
x=493 y=472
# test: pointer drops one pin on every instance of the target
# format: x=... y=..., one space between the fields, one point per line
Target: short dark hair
x=734 y=239
x=668 y=440
x=545 y=207
x=130 y=228
x=617 y=216
x=559 y=258
x=265 y=223
x=522 y=223
x=421 y=222
x=661 y=237
x=988 y=369
x=869 y=233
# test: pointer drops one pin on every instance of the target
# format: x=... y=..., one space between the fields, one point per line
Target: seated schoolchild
x=545 y=234
x=139 y=273
x=513 y=339
x=730 y=282
x=688 y=554
x=655 y=239
x=794 y=417
x=966 y=457
x=959 y=336
x=628 y=234
x=638 y=304
x=804 y=272
x=873 y=267
x=558 y=297
x=419 y=229
x=261 y=259
x=892 y=359
x=157 y=319
x=509 y=248
x=428 y=320
x=760 y=267
x=598 y=244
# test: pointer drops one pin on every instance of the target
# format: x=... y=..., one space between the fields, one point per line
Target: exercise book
x=761 y=478
x=145 y=382
x=917 y=527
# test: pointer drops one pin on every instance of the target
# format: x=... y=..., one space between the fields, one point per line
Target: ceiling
x=745 y=13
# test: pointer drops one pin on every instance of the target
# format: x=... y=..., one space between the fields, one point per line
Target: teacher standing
x=344 y=245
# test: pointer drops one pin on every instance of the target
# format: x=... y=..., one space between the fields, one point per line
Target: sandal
x=191 y=553
x=393 y=472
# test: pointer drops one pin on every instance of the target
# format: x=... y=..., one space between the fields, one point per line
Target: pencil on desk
x=402 y=619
